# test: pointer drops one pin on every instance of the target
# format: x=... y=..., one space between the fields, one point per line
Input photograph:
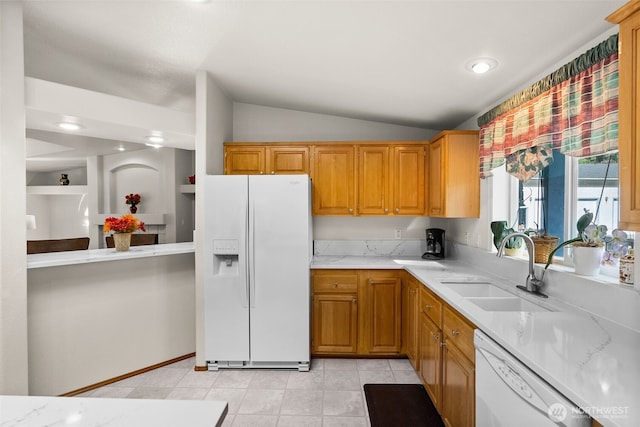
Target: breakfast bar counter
x=94 y=315
x=55 y=259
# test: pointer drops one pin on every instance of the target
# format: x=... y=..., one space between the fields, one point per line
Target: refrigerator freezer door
x=226 y=299
x=279 y=232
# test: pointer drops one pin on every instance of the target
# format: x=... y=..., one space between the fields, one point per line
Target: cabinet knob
x=335 y=285
x=350 y=210
x=355 y=300
x=261 y=173
x=455 y=332
x=386 y=210
x=273 y=172
x=436 y=338
x=427 y=307
x=397 y=210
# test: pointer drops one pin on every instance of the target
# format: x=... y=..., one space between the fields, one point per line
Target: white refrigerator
x=258 y=249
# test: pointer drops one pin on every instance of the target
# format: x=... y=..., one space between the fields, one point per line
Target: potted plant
x=587 y=247
x=122 y=228
x=513 y=245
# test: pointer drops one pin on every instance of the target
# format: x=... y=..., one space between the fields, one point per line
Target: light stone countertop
x=31 y=411
x=55 y=259
x=593 y=362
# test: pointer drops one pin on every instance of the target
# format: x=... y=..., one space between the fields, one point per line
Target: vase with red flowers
x=122 y=228
x=132 y=200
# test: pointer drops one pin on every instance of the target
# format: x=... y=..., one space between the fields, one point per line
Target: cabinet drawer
x=431 y=306
x=335 y=283
x=459 y=332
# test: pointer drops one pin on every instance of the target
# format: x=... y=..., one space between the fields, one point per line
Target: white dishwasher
x=510 y=394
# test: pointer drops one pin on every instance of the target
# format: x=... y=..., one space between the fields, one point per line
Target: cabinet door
x=384 y=319
x=431 y=359
x=335 y=323
x=458 y=388
x=629 y=116
x=333 y=180
x=436 y=200
x=410 y=320
x=408 y=180
x=244 y=160
x=373 y=180
x=287 y=160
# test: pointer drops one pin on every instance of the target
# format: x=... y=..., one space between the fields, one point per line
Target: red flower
x=125 y=224
x=132 y=199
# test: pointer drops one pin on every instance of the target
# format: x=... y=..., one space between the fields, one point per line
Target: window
x=569 y=186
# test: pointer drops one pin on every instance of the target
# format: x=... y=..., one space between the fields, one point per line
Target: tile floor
x=329 y=395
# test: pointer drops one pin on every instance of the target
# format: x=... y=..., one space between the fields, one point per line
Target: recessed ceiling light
x=481 y=65
x=153 y=145
x=156 y=139
x=120 y=148
x=68 y=126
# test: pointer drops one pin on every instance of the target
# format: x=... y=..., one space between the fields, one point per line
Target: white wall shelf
x=188 y=188
x=56 y=190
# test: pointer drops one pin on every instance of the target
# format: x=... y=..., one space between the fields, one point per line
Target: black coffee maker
x=435 y=244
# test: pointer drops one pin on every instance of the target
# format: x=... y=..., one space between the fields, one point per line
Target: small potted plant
x=513 y=245
x=122 y=228
x=587 y=246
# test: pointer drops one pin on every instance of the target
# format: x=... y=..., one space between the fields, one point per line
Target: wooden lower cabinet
x=458 y=388
x=410 y=319
x=447 y=354
x=334 y=312
x=431 y=358
x=335 y=323
x=382 y=322
x=356 y=312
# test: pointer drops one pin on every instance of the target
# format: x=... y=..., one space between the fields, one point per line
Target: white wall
x=96 y=321
x=13 y=263
x=214 y=126
x=58 y=216
x=255 y=123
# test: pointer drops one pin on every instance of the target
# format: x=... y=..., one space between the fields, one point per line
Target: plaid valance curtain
x=574 y=110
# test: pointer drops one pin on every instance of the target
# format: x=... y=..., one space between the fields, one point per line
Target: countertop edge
x=56 y=259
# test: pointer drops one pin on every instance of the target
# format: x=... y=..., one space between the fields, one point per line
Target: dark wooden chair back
x=57 y=245
x=137 y=239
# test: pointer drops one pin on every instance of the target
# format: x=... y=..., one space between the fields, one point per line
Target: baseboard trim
x=127 y=375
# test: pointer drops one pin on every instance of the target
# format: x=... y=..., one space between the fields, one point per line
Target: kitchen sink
x=477 y=289
x=505 y=304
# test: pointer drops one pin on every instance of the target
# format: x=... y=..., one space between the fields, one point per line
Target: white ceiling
x=400 y=62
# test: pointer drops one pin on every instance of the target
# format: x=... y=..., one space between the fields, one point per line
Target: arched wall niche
x=137 y=178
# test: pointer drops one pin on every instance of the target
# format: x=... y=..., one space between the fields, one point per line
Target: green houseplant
x=500 y=230
x=588 y=246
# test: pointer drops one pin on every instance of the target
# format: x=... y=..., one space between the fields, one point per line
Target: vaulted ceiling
x=401 y=62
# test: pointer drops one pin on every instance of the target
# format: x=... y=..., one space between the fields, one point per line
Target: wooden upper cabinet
x=454 y=175
x=409 y=180
x=628 y=16
x=244 y=160
x=287 y=160
x=267 y=158
x=333 y=176
x=373 y=180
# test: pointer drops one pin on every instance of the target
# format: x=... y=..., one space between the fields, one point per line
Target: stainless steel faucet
x=533 y=284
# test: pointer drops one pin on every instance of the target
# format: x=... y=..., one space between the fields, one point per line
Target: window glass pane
x=593 y=172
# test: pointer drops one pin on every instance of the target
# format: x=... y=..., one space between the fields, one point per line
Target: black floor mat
x=400 y=405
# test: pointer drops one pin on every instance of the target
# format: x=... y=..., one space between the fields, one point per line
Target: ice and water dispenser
x=225 y=257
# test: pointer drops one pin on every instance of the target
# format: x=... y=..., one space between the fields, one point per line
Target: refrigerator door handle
x=251 y=285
